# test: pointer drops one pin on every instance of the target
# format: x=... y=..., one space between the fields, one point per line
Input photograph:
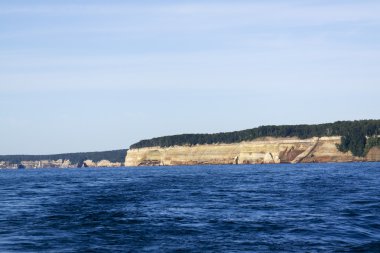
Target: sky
x=79 y=75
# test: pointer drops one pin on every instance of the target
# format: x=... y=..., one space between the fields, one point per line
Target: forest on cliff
x=357 y=136
x=112 y=156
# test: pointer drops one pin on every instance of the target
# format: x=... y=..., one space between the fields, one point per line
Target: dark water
x=256 y=208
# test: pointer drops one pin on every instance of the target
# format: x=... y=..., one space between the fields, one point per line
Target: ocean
x=226 y=208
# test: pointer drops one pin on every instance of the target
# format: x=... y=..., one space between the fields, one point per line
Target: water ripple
x=250 y=208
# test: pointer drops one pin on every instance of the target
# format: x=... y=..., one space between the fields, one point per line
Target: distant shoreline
x=341 y=141
x=113 y=158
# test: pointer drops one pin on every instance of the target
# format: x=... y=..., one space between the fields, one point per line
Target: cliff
x=60 y=163
x=112 y=158
x=102 y=163
x=261 y=150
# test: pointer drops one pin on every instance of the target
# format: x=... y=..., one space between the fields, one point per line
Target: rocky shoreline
x=60 y=163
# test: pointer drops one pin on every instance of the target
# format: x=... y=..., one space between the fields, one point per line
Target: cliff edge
x=262 y=150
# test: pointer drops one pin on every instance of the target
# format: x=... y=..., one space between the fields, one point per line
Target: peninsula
x=341 y=141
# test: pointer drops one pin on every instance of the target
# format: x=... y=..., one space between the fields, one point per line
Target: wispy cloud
x=189 y=63
x=161 y=45
x=293 y=11
x=149 y=20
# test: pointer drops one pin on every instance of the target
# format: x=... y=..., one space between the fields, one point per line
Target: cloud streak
x=293 y=11
x=118 y=66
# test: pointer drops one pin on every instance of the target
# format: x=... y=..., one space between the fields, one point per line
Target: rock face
x=105 y=163
x=47 y=164
x=264 y=150
x=89 y=163
x=58 y=164
x=373 y=154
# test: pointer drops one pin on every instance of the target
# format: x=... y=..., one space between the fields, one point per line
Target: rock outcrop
x=373 y=154
x=106 y=163
x=57 y=164
x=47 y=164
x=263 y=150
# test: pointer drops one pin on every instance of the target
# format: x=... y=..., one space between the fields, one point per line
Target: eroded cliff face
x=57 y=164
x=373 y=154
x=264 y=150
x=102 y=163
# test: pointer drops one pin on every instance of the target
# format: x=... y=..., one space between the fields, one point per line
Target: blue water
x=252 y=208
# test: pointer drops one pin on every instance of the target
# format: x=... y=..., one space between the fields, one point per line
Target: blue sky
x=100 y=75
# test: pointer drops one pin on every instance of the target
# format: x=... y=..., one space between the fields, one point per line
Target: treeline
x=353 y=134
x=112 y=156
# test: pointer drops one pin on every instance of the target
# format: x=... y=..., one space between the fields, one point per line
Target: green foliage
x=112 y=156
x=354 y=141
x=372 y=142
x=353 y=135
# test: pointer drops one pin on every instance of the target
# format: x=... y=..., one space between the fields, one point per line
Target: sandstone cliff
x=263 y=150
x=60 y=163
x=102 y=163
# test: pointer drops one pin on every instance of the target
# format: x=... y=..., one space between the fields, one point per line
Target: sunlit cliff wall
x=264 y=150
